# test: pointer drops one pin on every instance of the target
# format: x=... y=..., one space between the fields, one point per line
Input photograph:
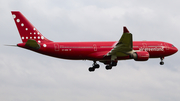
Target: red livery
x=106 y=52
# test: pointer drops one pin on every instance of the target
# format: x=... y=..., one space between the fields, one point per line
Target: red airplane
x=106 y=52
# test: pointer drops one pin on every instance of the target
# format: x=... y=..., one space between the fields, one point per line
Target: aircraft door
x=95 y=47
x=56 y=47
x=144 y=45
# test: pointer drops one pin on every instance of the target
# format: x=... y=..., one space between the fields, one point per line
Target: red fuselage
x=96 y=50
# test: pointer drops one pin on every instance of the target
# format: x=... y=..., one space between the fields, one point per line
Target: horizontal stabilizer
x=11 y=45
x=32 y=44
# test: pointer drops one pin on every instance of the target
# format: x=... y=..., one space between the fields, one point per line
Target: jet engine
x=140 y=56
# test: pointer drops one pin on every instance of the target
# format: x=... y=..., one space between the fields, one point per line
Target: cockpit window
x=173 y=46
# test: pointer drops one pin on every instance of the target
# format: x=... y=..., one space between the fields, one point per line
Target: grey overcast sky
x=28 y=76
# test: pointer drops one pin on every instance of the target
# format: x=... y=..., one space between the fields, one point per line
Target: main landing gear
x=94 y=66
x=109 y=66
x=162 y=63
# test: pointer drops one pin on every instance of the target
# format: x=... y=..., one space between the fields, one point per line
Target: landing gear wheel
x=161 y=63
x=91 y=69
x=96 y=66
x=108 y=67
x=113 y=63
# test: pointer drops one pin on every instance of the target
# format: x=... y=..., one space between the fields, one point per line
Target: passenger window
x=172 y=45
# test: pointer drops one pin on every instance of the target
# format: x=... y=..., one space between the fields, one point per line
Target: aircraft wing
x=123 y=46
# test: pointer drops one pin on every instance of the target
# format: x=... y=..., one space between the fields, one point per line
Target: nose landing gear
x=162 y=62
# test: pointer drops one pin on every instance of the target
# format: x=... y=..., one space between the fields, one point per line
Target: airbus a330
x=106 y=52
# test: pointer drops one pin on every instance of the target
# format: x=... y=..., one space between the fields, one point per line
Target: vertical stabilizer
x=26 y=29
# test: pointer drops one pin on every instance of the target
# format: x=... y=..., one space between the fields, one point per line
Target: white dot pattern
x=44 y=45
x=22 y=24
x=42 y=37
x=31 y=32
x=14 y=16
x=18 y=20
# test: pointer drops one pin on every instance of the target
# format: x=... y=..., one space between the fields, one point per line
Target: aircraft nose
x=174 y=50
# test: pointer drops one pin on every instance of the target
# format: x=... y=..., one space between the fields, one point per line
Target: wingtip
x=125 y=30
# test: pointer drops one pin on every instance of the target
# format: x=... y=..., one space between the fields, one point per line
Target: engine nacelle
x=140 y=56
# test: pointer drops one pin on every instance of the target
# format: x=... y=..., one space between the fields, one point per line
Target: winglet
x=125 y=30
